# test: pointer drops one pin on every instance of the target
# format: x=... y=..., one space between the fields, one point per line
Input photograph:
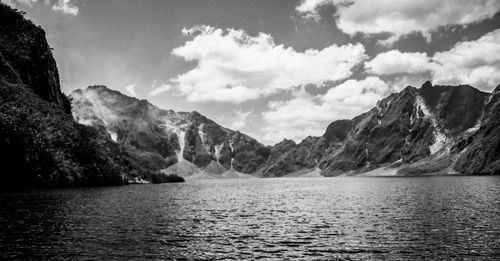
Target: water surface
x=304 y=218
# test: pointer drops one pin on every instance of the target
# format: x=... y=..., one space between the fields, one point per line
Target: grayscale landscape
x=238 y=129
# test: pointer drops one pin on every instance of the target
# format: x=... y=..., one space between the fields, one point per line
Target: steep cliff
x=480 y=152
x=26 y=57
x=40 y=143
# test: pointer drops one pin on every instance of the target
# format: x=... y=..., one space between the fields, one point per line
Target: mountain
x=26 y=57
x=291 y=159
x=431 y=130
x=479 y=153
x=185 y=142
x=121 y=139
x=40 y=143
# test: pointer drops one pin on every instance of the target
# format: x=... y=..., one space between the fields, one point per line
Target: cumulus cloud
x=63 y=6
x=240 y=120
x=131 y=90
x=233 y=66
x=402 y=17
x=27 y=2
x=160 y=89
x=469 y=62
x=309 y=8
x=66 y=7
x=394 y=61
x=307 y=114
x=15 y=3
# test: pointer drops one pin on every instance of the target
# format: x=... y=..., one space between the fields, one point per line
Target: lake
x=358 y=218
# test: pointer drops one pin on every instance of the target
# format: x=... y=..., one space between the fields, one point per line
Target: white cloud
x=415 y=80
x=469 y=62
x=131 y=90
x=9 y=2
x=394 y=61
x=15 y=3
x=233 y=66
x=63 y=6
x=240 y=120
x=402 y=17
x=66 y=7
x=309 y=8
x=160 y=89
x=307 y=114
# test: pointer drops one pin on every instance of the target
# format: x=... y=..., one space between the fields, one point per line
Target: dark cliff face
x=287 y=157
x=418 y=129
x=26 y=57
x=396 y=129
x=458 y=108
x=165 y=137
x=41 y=146
x=337 y=131
x=480 y=153
x=40 y=143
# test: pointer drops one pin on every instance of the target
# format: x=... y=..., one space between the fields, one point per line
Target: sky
x=272 y=69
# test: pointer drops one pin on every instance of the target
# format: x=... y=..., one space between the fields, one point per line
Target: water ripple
x=315 y=218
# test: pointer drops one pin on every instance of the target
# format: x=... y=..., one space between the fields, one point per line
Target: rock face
x=40 y=143
x=480 y=152
x=25 y=57
x=287 y=157
x=165 y=137
x=434 y=129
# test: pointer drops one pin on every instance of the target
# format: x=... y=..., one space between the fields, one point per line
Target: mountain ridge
x=418 y=131
x=415 y=137
x=415 y=131
x=166 y=137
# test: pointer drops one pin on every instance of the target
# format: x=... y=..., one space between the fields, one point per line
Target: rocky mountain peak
x=285 y=143
x=457 y=108
x=496 y=91
x=426 y=85
x=337 y=131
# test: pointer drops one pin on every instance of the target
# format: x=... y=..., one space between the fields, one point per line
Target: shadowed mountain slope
x=40 y=143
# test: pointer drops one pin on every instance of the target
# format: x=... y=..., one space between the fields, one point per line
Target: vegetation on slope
x=40 y=143
x=41 y=146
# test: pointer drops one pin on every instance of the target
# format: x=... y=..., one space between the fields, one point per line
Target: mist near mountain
x=183 y=143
